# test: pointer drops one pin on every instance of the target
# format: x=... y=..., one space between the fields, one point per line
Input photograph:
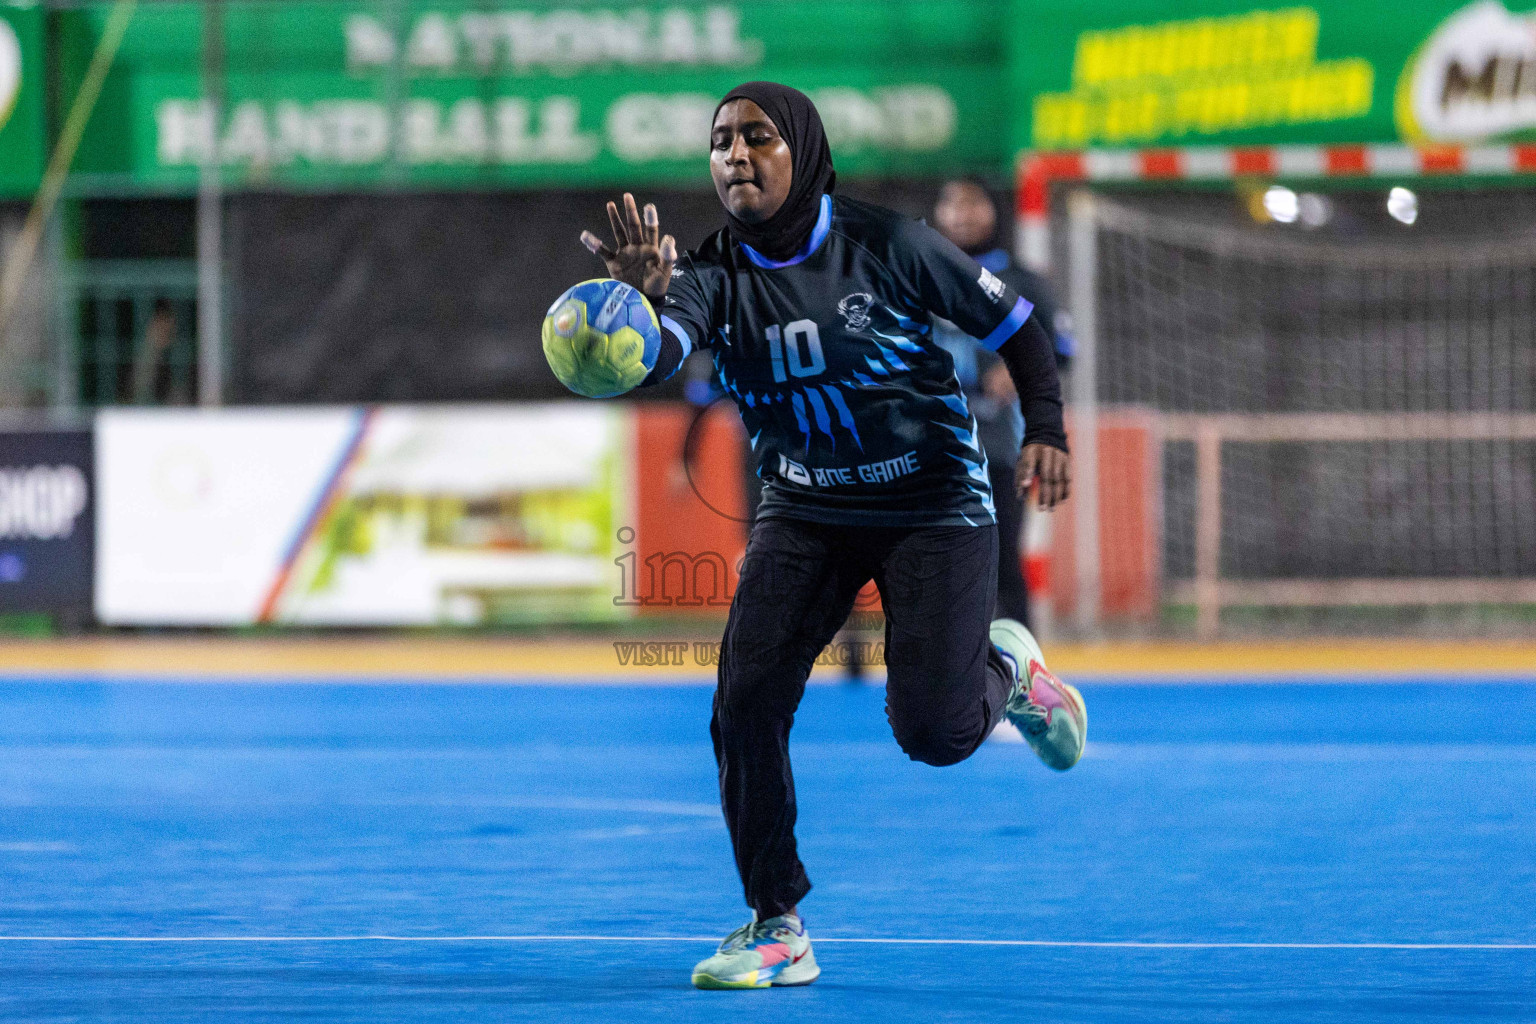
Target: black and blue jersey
x=853 y=411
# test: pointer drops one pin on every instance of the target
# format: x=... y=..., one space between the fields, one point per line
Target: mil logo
x=1473 y=79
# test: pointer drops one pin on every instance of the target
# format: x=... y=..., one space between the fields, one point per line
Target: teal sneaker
x=761 y=954
x=1049 y=712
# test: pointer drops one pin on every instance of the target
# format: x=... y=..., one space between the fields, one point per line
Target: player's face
x=965 y=214
x=750 y=162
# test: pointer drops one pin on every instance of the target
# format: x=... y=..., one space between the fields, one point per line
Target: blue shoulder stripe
x=679 y=331
x=1010 y=325
x=681 y=334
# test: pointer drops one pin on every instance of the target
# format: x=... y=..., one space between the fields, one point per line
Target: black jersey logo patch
x=855 y=309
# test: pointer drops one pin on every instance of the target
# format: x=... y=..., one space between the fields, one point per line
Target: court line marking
x=1033 y=943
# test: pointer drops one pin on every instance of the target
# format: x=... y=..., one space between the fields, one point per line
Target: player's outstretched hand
x=642 y=256
x=1047 y=469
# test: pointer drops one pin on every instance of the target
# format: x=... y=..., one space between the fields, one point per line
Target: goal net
x=1345 y=427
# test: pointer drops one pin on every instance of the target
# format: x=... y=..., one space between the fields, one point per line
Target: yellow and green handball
x=601 y=338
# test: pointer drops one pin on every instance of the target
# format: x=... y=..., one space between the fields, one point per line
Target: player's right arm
x=642 y=257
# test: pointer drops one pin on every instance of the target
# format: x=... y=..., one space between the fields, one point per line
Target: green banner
x=455 y=94
x=22 y=133
x=1134 y=73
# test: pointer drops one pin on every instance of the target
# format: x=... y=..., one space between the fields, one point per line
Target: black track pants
x=945 y=683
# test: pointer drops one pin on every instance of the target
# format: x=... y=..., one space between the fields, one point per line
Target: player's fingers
x=1025 y=472
x=1055 y=489
x=652 y=225
x=595 y=245
x=632 y=221
x=620 y=236
x=668 y=251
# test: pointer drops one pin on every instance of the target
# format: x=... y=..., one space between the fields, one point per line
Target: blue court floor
x=276 y=831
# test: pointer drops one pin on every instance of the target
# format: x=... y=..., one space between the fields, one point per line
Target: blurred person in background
x=155 y=380
x=967 y=215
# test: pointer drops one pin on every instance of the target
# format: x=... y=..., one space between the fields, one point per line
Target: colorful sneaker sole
x=802 y=973
x=709 y=981
x=787 y=978
x=1061 y=745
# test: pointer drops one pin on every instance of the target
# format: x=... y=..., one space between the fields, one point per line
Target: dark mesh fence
x=1204 y=318
x=411 y=297
x=1201 y=314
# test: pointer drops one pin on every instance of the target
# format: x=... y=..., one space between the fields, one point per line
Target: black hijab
x=794 y=115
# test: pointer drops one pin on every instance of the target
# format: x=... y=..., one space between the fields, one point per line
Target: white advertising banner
x=353 y=516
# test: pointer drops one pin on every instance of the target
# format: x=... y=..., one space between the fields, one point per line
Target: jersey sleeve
x=1055 y=321
x=687 y=309
x=952 y=285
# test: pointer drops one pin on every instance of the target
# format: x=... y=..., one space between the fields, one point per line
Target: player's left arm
x=1030 y=357
x=956 y=287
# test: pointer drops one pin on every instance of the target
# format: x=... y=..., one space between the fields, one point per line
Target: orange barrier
x=691 y=521
x=1130 y=511
x=691 y=531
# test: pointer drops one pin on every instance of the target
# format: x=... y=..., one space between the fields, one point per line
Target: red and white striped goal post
x=1037 y=171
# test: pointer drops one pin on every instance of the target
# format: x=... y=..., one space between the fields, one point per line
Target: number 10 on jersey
x=785 y=349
